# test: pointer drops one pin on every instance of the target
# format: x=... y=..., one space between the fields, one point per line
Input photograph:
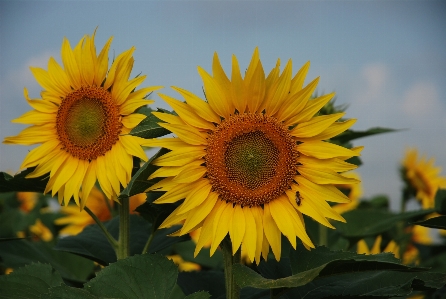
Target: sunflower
x=250 y=160
x=392 y=247
x=82 y=122
x=423 y=177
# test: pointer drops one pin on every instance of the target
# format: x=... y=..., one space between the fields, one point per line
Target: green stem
x=232 y=289
x=146 y=247
x=323 y=239
x=124 y=229
x=109 y=237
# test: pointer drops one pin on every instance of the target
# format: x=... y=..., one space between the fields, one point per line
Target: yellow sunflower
x=250 y=160
x=82 y=122
x=392 y=247
x=423 y=177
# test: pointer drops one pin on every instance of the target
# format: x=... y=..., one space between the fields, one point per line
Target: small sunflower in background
x=82 y=122
x=422 y=177
x=76 y=220
x=353 y=191
x=251 y=158
x=392 y=246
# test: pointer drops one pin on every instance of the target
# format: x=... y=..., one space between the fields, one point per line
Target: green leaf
x=139 y=183
x=18 y=182
x=199 y=295
x=31 y=281
x=437 y=222
x=18 y=253
x=141 y=276
x=92 y=244
x=155 y=213
x=149 y=127
x=440 y=201
x=350 y=134
x=66 y=292
x=370 y=222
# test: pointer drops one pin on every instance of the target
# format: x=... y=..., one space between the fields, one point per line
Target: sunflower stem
x=232 y=289
x=124 y=229
x=149 y=241
x=109 y=237
x=323 y=238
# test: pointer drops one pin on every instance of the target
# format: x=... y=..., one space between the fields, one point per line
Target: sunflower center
x=251 y=159
x=88 y=123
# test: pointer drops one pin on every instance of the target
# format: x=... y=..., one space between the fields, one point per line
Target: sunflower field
x=248 y=190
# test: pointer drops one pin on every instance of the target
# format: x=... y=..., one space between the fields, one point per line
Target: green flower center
x=88 y=123
x=251 y=159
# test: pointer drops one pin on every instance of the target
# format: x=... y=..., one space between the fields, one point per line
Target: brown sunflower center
x=251 y=159
x=88 y=123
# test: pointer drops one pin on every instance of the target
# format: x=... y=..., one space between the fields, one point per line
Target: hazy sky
x=387 y=60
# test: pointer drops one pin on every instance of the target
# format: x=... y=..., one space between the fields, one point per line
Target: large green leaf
x=18 y=182
x=92 y=244
x=370 y=222
x=140 y=276
x=66 y=292
x=350 y=134
x=436 y=222
x=18 y=253
x=139 y=183
x=31 y=281
x=149 y=127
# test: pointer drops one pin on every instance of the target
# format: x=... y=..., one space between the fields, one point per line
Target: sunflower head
x=422 y=177
x=251 y=159
x=82 y=122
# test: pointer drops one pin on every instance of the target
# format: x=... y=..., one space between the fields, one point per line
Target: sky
x=385 y=59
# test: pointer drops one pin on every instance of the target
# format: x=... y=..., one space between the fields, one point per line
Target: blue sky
x=386 y=59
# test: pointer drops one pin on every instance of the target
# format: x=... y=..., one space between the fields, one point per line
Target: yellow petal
x=36 y=154
x=334 y=164
x=190 y=175
x=298 y=81
x=121 y=95
x=325 y=176
x=65 y=174
x=255 y=86
x=237 y=228
x=198 y=214
x=169 y=143
x=283 y=88
x=328 y=192
x=169 y=118
x=199 y=191
x=324 y=150
x=272 y=232
x=223 y=224
x=312 y=107
x=257 y=213
x=173 y=219
x=315 y=126
x=238 y=92
x=132 y=120
x=188 y=134
x=187 y=113
x=70 y=64
x=88 y=182
x=41 y=105
x=35 y=118
x=33 y=135
x=180 y=157
x=132 y=146
x=58 y=76
x=175 y=194
x=334 y=130
x=250 y=236
x=200 y=107
x=102 y=63
x=214 y=95
x=283 y=221
x=296 y=102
